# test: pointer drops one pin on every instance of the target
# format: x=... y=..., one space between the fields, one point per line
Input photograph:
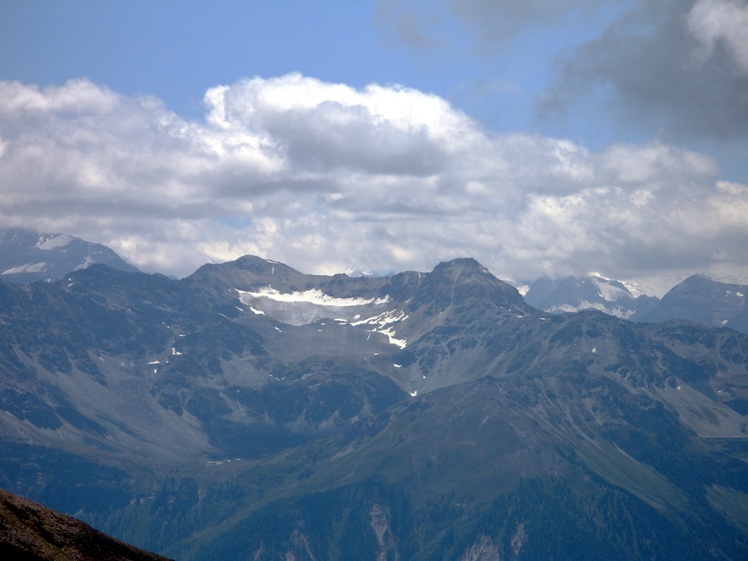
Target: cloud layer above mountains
x=327 y=178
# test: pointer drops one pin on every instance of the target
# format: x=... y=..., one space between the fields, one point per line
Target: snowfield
x=310 y=306
x=313 y=296
x=51 y=242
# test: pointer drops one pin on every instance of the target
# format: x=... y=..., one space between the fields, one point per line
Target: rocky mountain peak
x=462 y=280
x=249 y=273
x=701 y=299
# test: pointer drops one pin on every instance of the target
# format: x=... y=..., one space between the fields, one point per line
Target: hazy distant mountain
x=572 y=294
x=29 y=256
x=703 y=300
x=696 y=299
x=251 y=411
x=31 y=532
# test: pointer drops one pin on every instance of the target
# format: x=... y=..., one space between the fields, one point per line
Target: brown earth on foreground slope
x=31 y=532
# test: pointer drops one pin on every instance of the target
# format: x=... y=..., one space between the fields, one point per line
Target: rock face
x=31 y=532
x=27 y=257
x=253 y=411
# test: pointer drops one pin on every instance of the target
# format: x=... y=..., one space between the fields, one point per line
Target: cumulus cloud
x=327 y=177
x=721 y=22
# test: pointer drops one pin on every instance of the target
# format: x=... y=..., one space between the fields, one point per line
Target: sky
x=544 y=137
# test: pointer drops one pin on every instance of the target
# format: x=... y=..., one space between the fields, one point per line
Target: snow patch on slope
x=313 y=296
x=383 y=323
x=87 y=262
x=26 y=268
x=310 y=306
x=609 y=290
x=53 y=242
x=584 y=305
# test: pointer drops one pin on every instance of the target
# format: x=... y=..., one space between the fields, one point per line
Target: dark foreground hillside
x=31 y=532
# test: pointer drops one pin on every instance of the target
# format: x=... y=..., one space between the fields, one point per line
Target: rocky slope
x=251 y=410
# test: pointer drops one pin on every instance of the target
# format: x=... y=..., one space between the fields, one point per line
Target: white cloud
x=725 y=21
x=327 y=126
x=329 y=178
x=76 y=97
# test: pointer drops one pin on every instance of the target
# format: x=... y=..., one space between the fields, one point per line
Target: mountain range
x=697 y=298
x=27 y=257
x=573 y=294
x=254 y=411
x=704 y=301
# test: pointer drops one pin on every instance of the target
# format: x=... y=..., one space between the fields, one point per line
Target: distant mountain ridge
x=27 y=256
x=697 y=298
x=573 y=294
x=702 y=300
